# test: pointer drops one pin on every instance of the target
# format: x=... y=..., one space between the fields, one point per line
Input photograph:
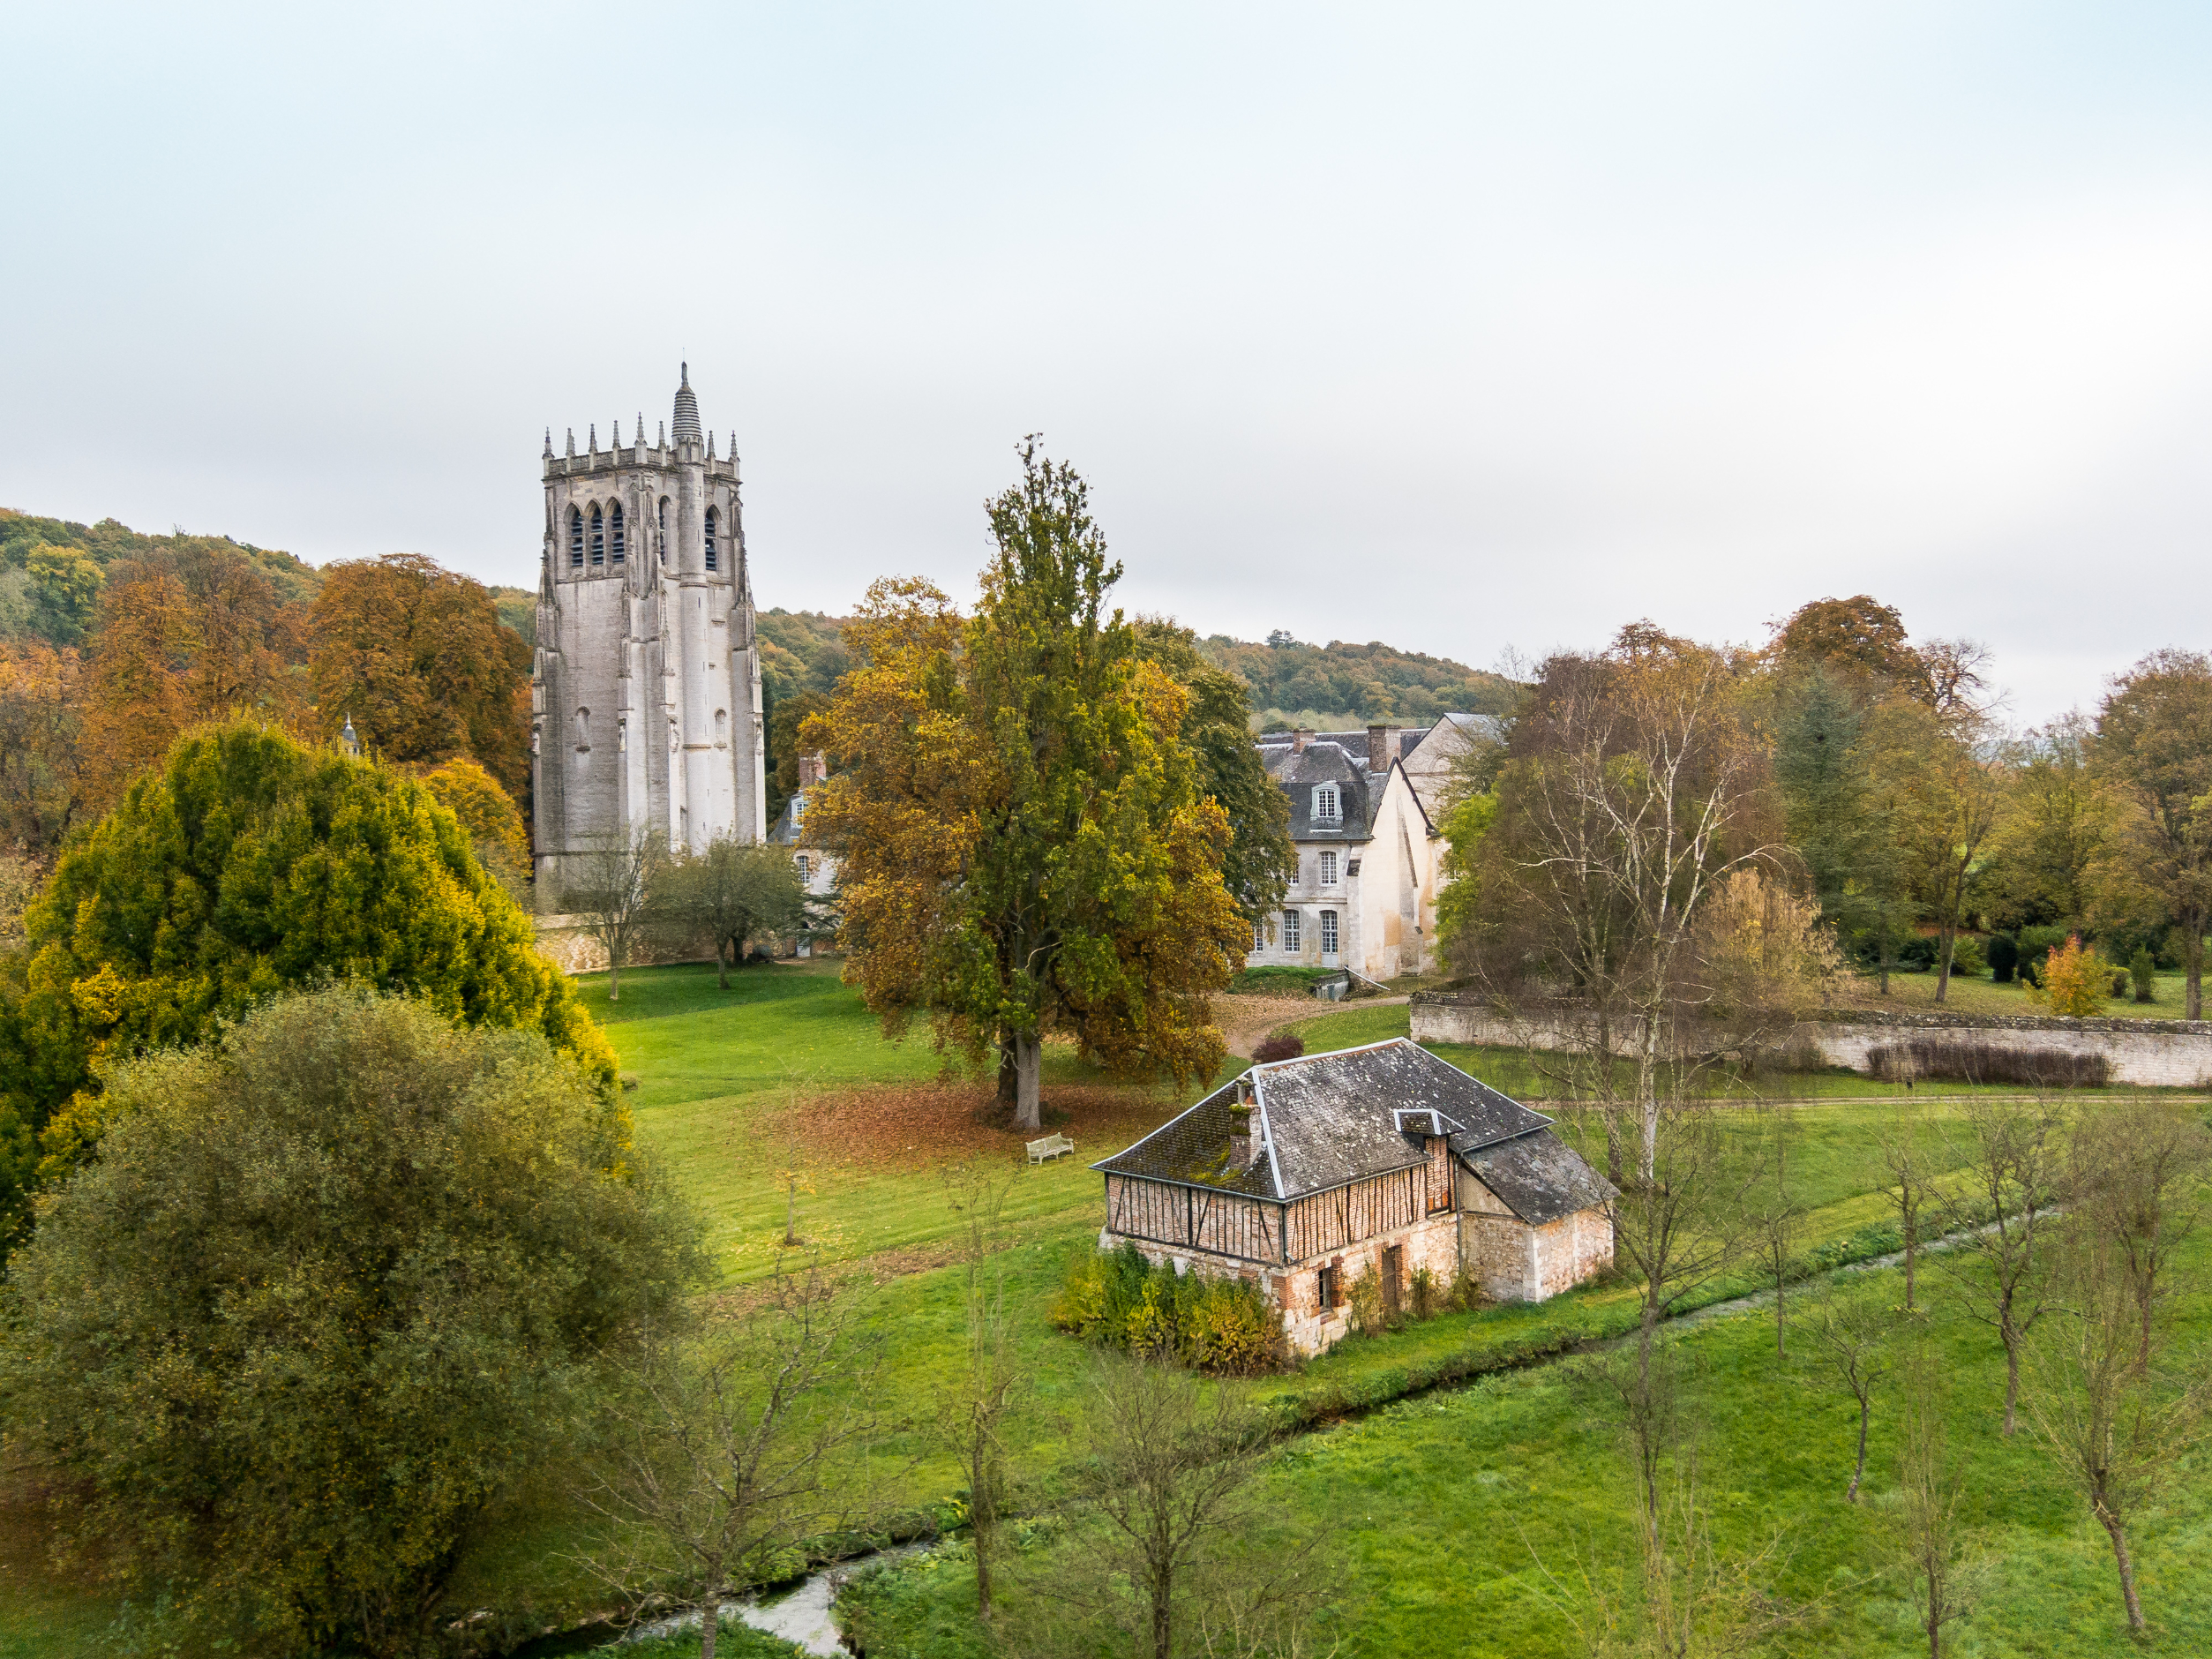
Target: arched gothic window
x=575 y=538
x=620 y=542
x=598 y=538
x=711 y=539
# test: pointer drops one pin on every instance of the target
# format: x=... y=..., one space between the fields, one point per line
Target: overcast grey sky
x=1460 y=327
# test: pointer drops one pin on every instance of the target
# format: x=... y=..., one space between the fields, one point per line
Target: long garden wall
x=2152 y=1053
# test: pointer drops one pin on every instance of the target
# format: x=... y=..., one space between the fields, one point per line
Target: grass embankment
x=787 y=1072
x=1449 y=1509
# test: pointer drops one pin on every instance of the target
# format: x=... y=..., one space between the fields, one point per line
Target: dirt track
x=1245 y=1020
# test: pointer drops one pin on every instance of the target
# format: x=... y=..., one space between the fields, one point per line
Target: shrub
x=1918 y=954
x=1231 y=1332
x=1428 y=1293
x=330 y=1291
x=1987 y=1062
x=1283 y=1046
x=2076 y=980
x=1467 y=1294
x=2119 y=981
x=1967 y=961
x=2142 y=968
x=1363 y=1305
x=1222 y=1325
x=2004 y=957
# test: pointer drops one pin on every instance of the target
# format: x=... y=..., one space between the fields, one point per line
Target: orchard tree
x=337 y=1285
x=2154 y=741
x=1025 y=844
x=247 y=865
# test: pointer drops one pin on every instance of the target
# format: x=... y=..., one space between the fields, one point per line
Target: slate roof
x=1323 y=1120
x=1322 y=761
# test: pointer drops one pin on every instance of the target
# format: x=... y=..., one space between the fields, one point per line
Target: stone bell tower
x=645 y=704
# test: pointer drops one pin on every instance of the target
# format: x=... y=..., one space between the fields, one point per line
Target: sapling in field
x=2014 y=1184
x=2109 y=1402
x=973 y=1402
x=1851 y=1334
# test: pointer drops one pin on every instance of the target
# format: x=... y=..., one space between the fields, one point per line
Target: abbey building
x=645 y=705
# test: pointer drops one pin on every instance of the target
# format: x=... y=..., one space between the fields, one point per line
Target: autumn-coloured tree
x=1261 y=862
x=2076 y=981
x=2154 y=741
x=138 y=701
x=488 y=813
x=188 y=631
x=1023 y=843
x=41 y=749
x=246 y=864
x=1944 y=792
x=417 y=656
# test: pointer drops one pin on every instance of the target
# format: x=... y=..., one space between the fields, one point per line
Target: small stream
x=802 y=1616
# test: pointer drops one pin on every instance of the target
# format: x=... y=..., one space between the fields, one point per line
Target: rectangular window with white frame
x=1328 y=932
x=1290 y=930
x=1259 y=935
x=1328 y=869
x=1326 y=804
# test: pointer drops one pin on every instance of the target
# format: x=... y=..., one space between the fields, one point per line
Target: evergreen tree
x=246 y=864
x=1837 y=816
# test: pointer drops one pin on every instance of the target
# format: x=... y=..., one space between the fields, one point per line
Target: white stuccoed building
x=646 y=698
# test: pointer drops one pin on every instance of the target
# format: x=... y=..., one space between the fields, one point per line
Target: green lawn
x=786 y=1071
x=1917 y=993
x=1444 y=1507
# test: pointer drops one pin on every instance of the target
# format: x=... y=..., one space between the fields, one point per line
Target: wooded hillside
x=1354 y=683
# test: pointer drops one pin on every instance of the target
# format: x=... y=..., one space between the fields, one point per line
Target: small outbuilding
x=1306 y=1175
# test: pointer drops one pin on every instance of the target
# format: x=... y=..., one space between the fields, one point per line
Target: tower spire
x=686 y=424
x=571 y=443
x=548 y=443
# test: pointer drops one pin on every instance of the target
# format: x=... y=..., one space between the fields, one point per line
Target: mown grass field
x=1464 y=1520
x=784 y=1079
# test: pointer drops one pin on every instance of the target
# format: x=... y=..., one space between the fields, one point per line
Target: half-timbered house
x=1306 y=1175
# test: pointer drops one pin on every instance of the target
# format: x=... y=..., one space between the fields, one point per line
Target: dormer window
x=799 y=808
x=1326 y=807
x=711 y=554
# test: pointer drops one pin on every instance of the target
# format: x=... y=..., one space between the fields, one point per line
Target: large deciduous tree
x=1261 y=861
x=417 y=657
x=1633 y=784
x=335 y=1287
x=1023 y=836
x=2154 y=741
x=246 y=864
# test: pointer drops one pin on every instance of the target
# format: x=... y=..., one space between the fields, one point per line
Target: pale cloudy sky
x=1465 y=327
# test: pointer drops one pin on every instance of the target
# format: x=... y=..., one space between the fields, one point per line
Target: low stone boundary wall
x=2151 y=1053
x=566 y=943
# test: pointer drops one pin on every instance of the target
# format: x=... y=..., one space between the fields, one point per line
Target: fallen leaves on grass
x=911 y=1127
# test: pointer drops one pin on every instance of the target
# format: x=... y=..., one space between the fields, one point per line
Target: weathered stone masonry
x=2150 y=1052
x=645 y=704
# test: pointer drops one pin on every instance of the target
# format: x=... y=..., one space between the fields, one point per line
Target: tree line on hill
x=123 y=641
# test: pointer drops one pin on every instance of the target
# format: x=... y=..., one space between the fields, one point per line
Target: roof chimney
x=813 y=768
x=1300 y=738
x=1382 y=747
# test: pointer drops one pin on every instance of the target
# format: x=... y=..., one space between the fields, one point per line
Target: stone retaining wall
x=2152 y=1053
x=566 y=943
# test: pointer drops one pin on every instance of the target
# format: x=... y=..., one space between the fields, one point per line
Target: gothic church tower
x=645 y=706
